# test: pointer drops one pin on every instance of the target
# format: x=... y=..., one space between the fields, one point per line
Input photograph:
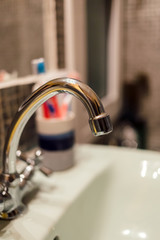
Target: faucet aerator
x=101 y=124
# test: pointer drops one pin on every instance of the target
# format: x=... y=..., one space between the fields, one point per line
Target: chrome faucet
x=14 y=185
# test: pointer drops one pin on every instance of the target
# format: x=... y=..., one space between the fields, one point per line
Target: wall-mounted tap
x=14 y=185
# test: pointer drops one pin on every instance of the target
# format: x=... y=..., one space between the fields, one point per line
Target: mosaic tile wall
x=22 y=24
x=10 y=99
x=21 y=34
x=141 y=54
x=60 y=33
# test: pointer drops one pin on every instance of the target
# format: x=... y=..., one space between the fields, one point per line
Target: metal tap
x=14 y=185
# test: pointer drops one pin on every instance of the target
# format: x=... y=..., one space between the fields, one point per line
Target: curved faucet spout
x=98 y=119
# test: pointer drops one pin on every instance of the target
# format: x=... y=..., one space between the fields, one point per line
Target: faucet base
x=18 y=211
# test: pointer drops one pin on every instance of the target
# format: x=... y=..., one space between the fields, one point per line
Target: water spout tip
x=101 y=124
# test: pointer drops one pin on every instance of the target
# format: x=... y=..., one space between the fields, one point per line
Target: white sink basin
x=111 y=193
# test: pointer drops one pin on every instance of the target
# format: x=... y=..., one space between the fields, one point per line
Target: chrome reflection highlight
x=133 y=234
x=144 y=168
x=142 y=235
x=155 y=175
x=126 y=232
x=158 y=171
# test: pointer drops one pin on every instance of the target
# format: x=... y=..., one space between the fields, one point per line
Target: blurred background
x=111 y=45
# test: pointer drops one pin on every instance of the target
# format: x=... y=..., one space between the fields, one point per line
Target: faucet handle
x=45 y=170
x=34 y=161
